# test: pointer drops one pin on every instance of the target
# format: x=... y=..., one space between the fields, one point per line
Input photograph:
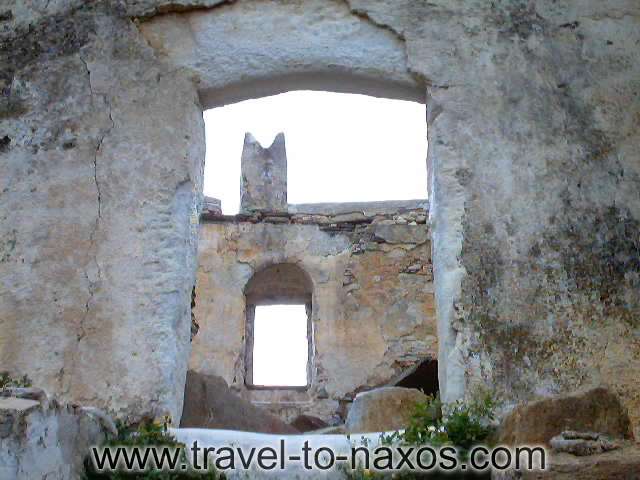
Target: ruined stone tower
x=263 y=186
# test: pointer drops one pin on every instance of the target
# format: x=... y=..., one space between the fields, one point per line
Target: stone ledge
x=19 y=405
x=369 y=209
x=618 y=464
x=335 y=216
x=41 y=438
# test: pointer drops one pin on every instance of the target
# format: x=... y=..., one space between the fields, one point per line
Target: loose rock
x=383 y=409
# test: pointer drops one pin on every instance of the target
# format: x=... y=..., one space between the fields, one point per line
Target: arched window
x=279 y=343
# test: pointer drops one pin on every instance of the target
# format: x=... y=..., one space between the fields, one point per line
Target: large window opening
x=279 y=333
x=280 y=346
x=340 y=147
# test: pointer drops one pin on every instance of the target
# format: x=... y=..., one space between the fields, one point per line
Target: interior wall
x=373 y=314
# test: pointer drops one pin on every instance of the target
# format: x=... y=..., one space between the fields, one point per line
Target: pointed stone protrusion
x=211 y=207
x=263 y=187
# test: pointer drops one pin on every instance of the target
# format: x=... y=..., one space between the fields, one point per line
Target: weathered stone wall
x=535 y=199
x=39 y=438
x=373 y=313
x=533 y=112
x=102 y=149
x=263 y=184
x=100 y=179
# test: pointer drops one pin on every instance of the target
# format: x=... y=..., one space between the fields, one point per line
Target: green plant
x=424 y=427
x=462 y=425
x=391 y=438
x=6 y=381
x=148 y=434
x=363 y=474
x=470 y=424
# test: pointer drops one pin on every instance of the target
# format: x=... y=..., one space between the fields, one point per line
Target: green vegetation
x=460 y=425
x=148 y=434
x=7 y=381
x=463 y=425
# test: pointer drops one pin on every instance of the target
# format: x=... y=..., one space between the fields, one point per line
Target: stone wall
x=535 y=202
x=40 y=438
x=263 y=184
x=373 y=314
x=100 y=182
x=533 y=112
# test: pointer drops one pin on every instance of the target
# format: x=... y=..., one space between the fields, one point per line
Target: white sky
x=340 y=147
x=280 y=348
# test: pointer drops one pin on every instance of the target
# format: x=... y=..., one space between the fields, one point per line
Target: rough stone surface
x=211 y=207
x=597 y=410
x=397 y=233
x=308 y=423
x=43 y=439
x=368 y=209
x=99 y=192
x=622 y=464
x=383 y=409
x=582 y=444
x=209 y=403
x=264 y=176
x=372 y=315
x=534 y=195
x=333 y=50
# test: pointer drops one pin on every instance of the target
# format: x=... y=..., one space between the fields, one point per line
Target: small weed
x=461 y=425
x=7 y=381
x=148 y=434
